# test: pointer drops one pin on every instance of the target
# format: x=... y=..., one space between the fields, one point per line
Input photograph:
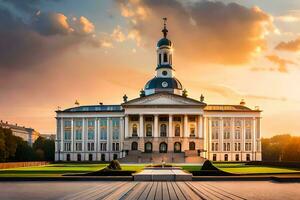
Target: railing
x=22 y=164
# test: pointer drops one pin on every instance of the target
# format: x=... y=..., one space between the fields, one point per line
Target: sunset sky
x=57 y=51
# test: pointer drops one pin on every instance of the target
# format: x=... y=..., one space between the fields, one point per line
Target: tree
x=44 y=149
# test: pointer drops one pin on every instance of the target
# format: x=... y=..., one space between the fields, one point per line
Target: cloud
x=205 y=31
x=280 y=62
x=118 y=35
x=293 y=45
x=290 y=17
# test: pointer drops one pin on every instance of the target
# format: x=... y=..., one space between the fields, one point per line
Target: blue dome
x=164 y=41
x=163 y=83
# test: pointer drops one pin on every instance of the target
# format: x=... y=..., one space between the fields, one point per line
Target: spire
x=165 y=30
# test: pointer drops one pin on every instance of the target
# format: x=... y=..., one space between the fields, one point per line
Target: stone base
x=162 y=174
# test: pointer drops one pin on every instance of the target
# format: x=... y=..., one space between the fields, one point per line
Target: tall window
x=116 y=128
x=163 y=130
x=192 y=146
x=177 y=147
x=78 y=130
x=226 y=157
x=165 y=57
x=67 y=130
x=134 y=130
x=148 y=147
x=163 y=147
x=177 y=130
x=237 y=134
x=134 y=146
x=91 y=129
x=192 y=130
x=148 y=130
x=170 y=59
x=103 y=129
x=226 y=134
x=91 y=146
x=159 y=58
x=78 y=146
x=67 y=146
x=103 y=146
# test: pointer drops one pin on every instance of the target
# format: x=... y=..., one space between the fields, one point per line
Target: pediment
x=162 y=99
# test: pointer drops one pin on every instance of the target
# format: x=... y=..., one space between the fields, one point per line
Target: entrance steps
x=162 y=174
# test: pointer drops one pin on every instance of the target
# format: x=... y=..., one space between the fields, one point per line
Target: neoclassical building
x=162 y=124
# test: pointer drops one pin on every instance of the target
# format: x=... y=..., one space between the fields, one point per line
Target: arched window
x=78 y=157
x=177 y=130
x=192 y=130
x=177 y=147
x=163 y=130
x=226 y=157
x=134 y=146
x=165 y=57
x=163 y=147
x=134 y=130
x=148 y=147
x=192 y=146
x=149 y=130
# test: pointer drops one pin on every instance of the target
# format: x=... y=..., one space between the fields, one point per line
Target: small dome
x=163 y=83
x=164 y=41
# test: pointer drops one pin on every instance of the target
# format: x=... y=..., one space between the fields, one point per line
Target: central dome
x=163 y=84
x=164 y=42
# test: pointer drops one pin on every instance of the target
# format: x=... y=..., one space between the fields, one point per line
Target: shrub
x=114 y=165
x=207 y=165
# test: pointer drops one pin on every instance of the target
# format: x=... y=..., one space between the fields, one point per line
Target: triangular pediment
x=163 y=99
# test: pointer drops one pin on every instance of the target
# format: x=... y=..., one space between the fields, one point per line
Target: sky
x=54 y=52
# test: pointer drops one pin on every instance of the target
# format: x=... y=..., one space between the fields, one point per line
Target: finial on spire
x=165 y=30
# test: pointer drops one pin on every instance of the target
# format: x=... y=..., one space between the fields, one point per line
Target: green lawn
x=241 y=168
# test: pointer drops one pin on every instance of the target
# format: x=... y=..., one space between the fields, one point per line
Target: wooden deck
x=153 y=190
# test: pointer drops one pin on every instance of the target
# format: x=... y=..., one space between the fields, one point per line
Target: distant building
x=48 y=136
x=27 y=134
x=163 y=123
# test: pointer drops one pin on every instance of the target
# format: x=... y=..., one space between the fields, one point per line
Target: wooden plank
x=105 y=192
x=178 y=191
x=122 y=191
x=152 y=192
x=165 y=191
x=137 y=191
x=159 y=194
x=172 y=193
x=187 y=192
x=145 y=193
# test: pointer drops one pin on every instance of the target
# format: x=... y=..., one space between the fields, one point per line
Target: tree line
x=281 y=148
x=14 y=148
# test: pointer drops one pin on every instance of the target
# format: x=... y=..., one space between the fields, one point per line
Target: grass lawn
x=53 y=170
x=241 y=168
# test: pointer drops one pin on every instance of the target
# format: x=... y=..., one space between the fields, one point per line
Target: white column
x=72 y=136
x=121 y=133
x=243 y=135
x=254 y=137
x=170 y=133
x=221 y=135
x=126 y=126
x=155 y=125
x=62 y=136
x=209 y=138
x=205 y=131
x=200 y=127
x=141 y=126
x=185 y=126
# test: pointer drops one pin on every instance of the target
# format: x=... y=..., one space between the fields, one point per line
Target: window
x=91 y=146
x=215 y=134
x=78 y=157
x=91 y=134
x=215 y=146
x=148 y=147
x=192 y=146
x=192 y=130
x=68 y=157
x=226 y=134
x=214 y=157
x=165 y=57
x=228 y=146
x=116 y=128
x=115 y=156
x=247 y=146
x=115 y=146
x=102 y=157
x=170 y=59
x=226 y=157
x=91 y=123
x=67 y=135
x=103 y=129
x=163 y=130
x=163 y=147
x=134 y=130
x=237 y=157
x=90 y=157
x=177 y=147
x=248 y=157
x=248 y=133
x=237 y=134
x=177 y=130
x=78 y=130
x=103 y=146
x=134 y=146
x=237 y=146
x=78 y=146
x=148 y=130
x=159 y=58
x=67 y=146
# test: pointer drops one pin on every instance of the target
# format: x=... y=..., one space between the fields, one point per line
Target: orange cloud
x=280 y=62
x=205 y=31
x=293 y=45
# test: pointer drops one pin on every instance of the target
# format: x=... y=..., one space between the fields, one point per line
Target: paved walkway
x=154 y=190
